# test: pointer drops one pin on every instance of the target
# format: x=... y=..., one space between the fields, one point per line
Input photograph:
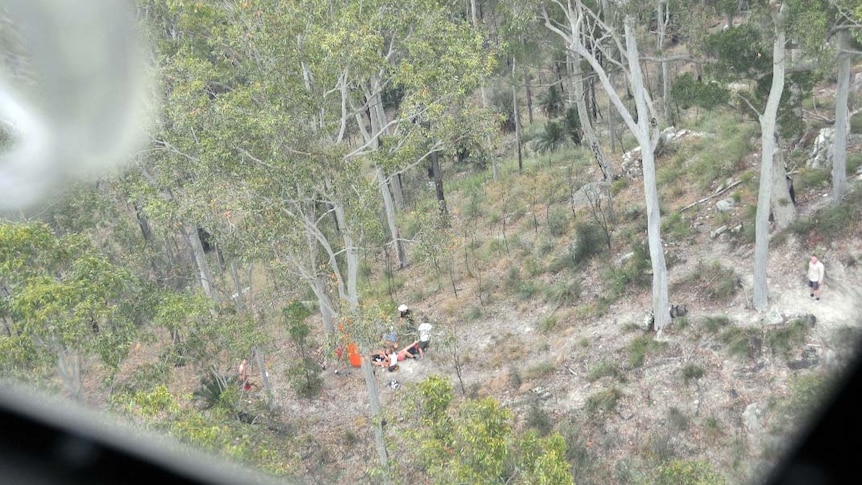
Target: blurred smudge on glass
x=75 y=94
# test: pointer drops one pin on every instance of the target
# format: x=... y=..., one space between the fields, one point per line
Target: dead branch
x=701 y=201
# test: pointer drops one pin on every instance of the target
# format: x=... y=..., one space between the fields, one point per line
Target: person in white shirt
x=425 y=335
x=816 y=273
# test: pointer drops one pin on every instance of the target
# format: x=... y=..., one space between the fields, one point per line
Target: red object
x=247 y=386
x=353 y=355
x=339 y=351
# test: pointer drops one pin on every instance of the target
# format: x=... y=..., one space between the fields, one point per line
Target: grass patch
x=692 y=372
x=677 y=420
x=564 y=293
x=711 y=281
x=830 y=223
x=539 y=371
x=606 y=369
x=603 y=400
x=589 y=241
x=548 y=324
x=810 y=178
x=783 y=340
x=715 y=324
x=638 y=349
x=675 y=227
x=558 y=222
x=739 y=342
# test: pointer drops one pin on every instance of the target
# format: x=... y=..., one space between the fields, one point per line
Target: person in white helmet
x=405 y=313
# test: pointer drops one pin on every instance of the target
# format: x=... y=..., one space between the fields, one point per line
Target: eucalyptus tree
x=742 y=53
x=579 y=40
x=848 y=22
x=591 y=37
x=63 y=303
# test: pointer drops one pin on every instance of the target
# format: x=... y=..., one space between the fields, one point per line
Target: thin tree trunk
x=437 y=174
x=647 y=135
x=764 y=194
x=662 y=27
x=376 y=413
x=783 y=210
x=839 y=160
x=264 y=375
x=529 y=94
x=237 y=283
x=389 y=209
x=517 y=118
x=584 y=117
x=205 y=276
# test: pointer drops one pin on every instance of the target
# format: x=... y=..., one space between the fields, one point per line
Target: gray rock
x=724 y=205
x=809 y=359
x=625 y=258
x=714 y=234
x=773 y=317
x=751 y=418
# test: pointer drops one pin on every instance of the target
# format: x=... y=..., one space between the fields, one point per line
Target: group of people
x=389 y=356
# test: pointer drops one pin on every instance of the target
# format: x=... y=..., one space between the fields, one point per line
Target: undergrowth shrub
x=606 y=369
x=713 y=324
x=564 y=292
x=785 y=339
x=687 y=472
x=712 y=281
x=830 y=223
x=638 y=349
x=741 y=343
x=692 y=372
x=675 y=227
x=558 y=222
x=589 y=241
x=605 y=400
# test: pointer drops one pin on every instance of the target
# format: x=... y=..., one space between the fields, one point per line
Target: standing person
x=405 y=313
x=425 y=335
x=816 y=273
x=242 y=373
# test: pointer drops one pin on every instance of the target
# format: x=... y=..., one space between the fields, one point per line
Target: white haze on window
x=74 y=91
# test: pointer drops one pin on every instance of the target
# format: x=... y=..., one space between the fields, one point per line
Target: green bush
x=740 y=343
x=589 y=241
x=558 y=222
x=785 y=339
x=716 y=323
x=687 y=472
x=692 y=372
x=675 y=226
x=605 y=400
x=606 y=369
x=564 y=293
x=638 y=348
x=831 y=222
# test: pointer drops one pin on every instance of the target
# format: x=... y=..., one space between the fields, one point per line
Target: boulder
x=725 y=205
x=751 y=418
x=773 y=317
x=822 y=152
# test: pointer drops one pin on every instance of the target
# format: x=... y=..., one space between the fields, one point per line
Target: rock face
x=822 y=153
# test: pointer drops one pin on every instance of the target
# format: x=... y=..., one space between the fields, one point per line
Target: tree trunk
x=389 y=209
x=662 y=27
x=647 y=135
x=264 y=376
x=205 y=276
x=529 y=94
x=352 y=257
x=376 y=414
x=839 y=160
x=237 y=283
x=764 y=195
x=397 y=190
x=783 y=210
x=437 y=174
x=584 y=117
x=143 y=223
x=517 y=117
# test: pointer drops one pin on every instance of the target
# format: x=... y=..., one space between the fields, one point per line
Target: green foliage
x=564 y=292
x=606 y=369
x=552 y=138
x=572 y=125
x=692 y=372
x=831 y=222
x=713 y=324
x=558 y=222
x=476 y=442
x=216 y=389
x=304 y=371
x=740 y=51
x=589 y=242
x=686 y=91
x=551 y=102
x=605 y=400
x=687 y=472
x=790 y=337
x=712 y=281
x=740 y=343
x=674 y=225
x=639 y=347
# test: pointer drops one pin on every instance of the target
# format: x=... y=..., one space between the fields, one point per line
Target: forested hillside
x=605 y=210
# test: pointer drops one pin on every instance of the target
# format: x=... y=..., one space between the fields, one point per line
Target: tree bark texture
x=205 y=276
x=839 y=160
x=391 y=222
x=764 y=195
x=783 y=210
